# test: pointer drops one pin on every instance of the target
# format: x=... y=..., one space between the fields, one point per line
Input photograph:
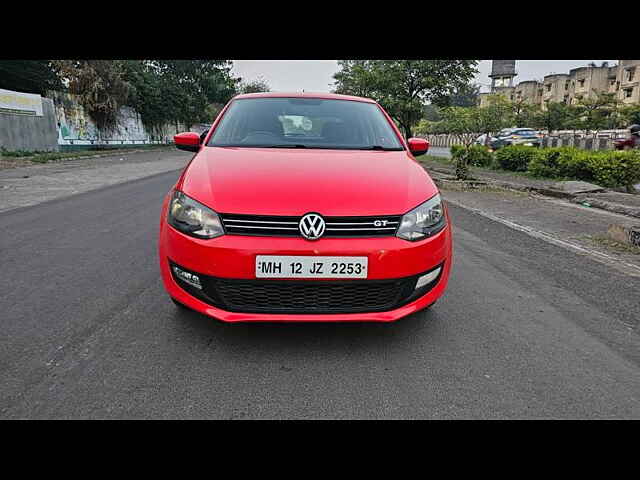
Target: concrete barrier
x=27 y=132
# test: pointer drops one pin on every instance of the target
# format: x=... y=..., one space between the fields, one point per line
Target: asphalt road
x=526 y=330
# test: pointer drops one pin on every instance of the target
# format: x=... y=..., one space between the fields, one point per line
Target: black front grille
x=287 y=226
x=304 y=296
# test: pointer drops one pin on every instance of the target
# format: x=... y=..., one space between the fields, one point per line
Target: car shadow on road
x=296 y=334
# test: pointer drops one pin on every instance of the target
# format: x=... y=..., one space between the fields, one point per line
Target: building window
x=566 y=85
x=628 y=92
x=630 y=73
x=581 y=82
x=548 y=85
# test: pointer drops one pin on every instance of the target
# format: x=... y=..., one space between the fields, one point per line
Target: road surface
x=526 y=330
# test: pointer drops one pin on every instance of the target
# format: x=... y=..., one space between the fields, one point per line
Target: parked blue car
x=515 y=136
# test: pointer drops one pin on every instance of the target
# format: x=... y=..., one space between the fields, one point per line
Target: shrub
x=477 y=155
x=615 y=169
x=516 y=157
x=561 y=162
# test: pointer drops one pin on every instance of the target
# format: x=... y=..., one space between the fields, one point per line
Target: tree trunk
x=462 y=167
x=407 y=131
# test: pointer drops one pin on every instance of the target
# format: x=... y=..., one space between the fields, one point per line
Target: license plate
x=529 y=144
x=272 y=266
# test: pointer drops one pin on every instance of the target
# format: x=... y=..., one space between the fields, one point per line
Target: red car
x=304 y=207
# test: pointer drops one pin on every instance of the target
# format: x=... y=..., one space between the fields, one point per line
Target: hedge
x=561 y=162
x=605 y=168
x=478 y=155
x=516 y=157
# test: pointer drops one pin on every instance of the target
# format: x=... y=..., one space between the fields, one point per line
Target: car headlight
x=423 y=221
x=193 y=218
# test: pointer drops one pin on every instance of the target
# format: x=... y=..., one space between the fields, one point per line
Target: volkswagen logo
x=311 y=226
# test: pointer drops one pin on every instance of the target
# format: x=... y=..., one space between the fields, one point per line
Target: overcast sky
x=316 y=75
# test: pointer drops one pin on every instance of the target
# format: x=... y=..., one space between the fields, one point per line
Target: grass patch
x=436 y=158
x=45 y=157
x=605 y=241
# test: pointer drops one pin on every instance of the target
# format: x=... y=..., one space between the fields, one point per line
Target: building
x=622 y=79
x=628 y=81
x=587 y=82
x=529 y=92
x=502 y=74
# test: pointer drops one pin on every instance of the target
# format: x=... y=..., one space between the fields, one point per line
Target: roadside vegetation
x=612 y=169
x=160 y=91
x=45 y=157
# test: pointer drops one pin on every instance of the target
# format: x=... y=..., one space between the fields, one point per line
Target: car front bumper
x=228 y=264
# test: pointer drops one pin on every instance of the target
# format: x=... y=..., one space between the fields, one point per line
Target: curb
x=610 y=206
x=578 y=198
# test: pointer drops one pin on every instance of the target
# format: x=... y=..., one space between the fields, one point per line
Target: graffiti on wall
x=76 y=127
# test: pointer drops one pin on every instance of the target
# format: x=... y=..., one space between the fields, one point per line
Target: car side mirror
x=189 y=141
x=418 y=146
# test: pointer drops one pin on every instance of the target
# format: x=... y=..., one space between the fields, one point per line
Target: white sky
x=316 y=75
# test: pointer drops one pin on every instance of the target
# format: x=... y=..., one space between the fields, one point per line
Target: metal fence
x=601 y=141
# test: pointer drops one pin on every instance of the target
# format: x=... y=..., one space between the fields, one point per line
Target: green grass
x=436 y=158
x=44 y=157
x=605 y=241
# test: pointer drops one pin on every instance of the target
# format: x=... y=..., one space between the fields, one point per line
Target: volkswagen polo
x=304 y=207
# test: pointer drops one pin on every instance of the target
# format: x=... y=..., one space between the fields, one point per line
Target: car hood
x=273 y=181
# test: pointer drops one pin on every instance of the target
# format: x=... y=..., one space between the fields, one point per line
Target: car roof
x=317 y=95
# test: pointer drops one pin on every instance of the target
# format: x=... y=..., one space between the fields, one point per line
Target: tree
x=194 y=85
x=630 y=115
x=29 y=76
x=100 y=87
x=464 y=96
x=558 y=115
x=523 y=114
x=356 y=77
x=403 y=87
x=179 y=91
x=254 y=86
x=466 y=123
x=598 y=112
x=431 y=113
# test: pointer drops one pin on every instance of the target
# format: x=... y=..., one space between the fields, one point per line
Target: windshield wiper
x=286 y=145
x=380 y=147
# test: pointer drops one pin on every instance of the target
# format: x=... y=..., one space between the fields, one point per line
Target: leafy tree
x=100 y=87
x=179 y=91
x=465 y=123
x=598 y=112
x=29 y=76
x=557 y=116
x=524 y=114
x=356 y=77
x=630 y=115
x=194 y=85
x=403 y=87
x=255 y=86
x=463 y=96
x=431 y=113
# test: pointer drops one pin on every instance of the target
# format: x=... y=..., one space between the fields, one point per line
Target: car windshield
x=525 y=133
x=304 y=123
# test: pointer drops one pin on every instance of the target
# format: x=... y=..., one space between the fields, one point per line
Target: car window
x=525 y=132
x=304 y=122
